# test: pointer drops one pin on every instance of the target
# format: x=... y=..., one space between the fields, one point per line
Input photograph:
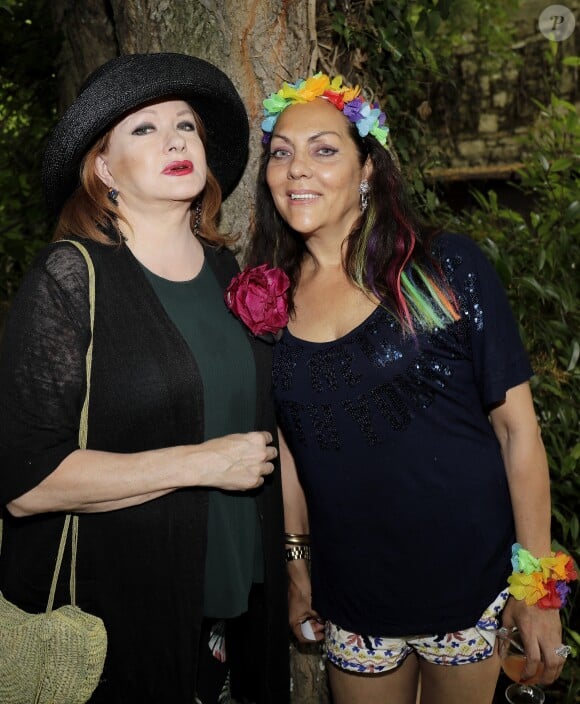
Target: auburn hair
x=89 y=212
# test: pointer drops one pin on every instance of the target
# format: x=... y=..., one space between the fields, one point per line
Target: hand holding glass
x=513 y=662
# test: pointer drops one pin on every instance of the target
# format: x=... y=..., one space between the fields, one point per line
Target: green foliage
x=391 y=57
x=538 y=258
x=27 y=109
x=401 y=48
x=404 y=54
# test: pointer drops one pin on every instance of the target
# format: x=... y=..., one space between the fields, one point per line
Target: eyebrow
x=185 y=111
x=312 y=138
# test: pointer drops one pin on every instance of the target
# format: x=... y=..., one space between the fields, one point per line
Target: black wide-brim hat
x=124 y=83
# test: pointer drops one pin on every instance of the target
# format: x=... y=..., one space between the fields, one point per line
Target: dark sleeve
x=499 y=357
x=42 y=370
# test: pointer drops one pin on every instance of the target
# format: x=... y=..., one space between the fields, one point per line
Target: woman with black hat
x=181 y=531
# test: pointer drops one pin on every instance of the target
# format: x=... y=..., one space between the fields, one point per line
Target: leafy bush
x=538 y=258
x=27 y=111
x=403 y=52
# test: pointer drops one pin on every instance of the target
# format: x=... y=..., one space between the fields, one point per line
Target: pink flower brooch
x=259 y=298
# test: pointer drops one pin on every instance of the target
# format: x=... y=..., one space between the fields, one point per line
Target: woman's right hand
x=300 y=603
x=238 y=462
x=92 y=481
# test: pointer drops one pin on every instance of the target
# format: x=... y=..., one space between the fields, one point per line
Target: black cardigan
x=140 y=568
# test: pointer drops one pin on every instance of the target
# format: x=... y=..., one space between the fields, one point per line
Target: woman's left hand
x=541 y=633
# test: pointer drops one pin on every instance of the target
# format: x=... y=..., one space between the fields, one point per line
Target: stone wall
x=478 y=124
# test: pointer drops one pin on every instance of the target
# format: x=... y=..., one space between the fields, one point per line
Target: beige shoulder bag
x=55 y=657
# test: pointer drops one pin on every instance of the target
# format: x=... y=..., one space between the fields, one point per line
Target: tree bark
x=88 y=41
x=258 y=44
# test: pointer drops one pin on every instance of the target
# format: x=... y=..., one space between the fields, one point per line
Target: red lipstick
x=178 y=168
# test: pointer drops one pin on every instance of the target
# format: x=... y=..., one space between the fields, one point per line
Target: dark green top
x=222 y=352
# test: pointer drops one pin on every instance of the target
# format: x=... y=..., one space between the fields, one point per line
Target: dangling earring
x=364 y=190
x=113 y=195
x=197 y=221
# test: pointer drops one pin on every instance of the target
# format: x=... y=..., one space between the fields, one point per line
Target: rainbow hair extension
x=429 y=310
x=420 y=302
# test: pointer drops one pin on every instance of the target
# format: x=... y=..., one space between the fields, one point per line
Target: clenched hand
x=238 y=462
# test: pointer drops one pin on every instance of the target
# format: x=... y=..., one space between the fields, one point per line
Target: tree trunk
x=258 y=44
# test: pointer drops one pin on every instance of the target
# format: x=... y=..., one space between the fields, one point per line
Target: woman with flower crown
x=414 y=475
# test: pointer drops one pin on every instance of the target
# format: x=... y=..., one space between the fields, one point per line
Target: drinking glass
x=513 y=661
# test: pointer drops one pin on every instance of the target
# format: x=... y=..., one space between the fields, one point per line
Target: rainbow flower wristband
x=541 y=581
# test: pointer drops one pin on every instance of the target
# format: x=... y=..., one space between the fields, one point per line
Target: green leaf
x=574 y=527
x=573 y=210
x=574 y=635
x=574 y=356
x=561 y=164
x=434 y=20
x=541 y=259
x=422 y=22
x=545 y=164
x=444 y=8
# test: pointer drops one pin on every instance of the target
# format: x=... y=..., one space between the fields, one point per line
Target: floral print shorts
x=372 y=654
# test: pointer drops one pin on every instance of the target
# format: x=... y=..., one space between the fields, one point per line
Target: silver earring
x=197 y=221
x=364 y=190
x=113 y=195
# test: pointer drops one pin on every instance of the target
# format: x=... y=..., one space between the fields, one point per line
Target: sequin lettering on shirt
x=380 y=356
x=382 y=352
x=284 y=365
x=391 y=406
x=473 y=309
x=453 y=341
x=327 y=365
x=428 y=366
x=290 y=410
x=395 y=394
x=414 y=390
x=324 y=426
x=469 y=302
x=450 y=264
x=358 y=409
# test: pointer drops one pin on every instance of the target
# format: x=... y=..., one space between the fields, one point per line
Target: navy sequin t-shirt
x=410 y=516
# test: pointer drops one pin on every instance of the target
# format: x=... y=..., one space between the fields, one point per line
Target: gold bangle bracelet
x=298 y=552
x=297 y=538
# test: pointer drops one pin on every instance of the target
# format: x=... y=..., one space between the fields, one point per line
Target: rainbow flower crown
x=368 y=118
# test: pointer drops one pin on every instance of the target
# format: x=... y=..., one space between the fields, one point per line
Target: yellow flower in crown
x=307 y=90
x=347 y=94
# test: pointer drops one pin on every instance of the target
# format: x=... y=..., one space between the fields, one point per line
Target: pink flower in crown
x=259 y=298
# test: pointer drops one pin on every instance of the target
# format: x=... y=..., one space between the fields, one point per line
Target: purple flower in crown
x=382 y=116
x=352 y=110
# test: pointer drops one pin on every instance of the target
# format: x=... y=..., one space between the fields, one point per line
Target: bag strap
x=83 y=433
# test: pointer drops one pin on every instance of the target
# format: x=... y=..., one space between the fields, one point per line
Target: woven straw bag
x=55 y=657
